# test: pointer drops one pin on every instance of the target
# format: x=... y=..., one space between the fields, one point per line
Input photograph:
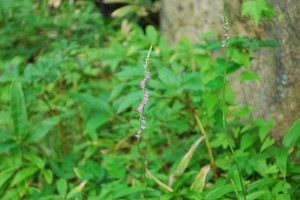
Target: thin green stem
x=225 y=123
x=143 y=158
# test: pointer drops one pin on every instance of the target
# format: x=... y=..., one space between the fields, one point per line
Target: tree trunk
x=276 y=95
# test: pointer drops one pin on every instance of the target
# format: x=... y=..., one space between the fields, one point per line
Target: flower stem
x=225 y=45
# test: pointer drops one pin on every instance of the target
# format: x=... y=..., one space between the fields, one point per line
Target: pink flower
x=145 y=95
x=227 y=35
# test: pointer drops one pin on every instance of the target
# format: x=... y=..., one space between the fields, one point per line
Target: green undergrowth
x=69 y=94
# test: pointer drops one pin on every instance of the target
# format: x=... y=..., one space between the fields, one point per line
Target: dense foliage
x=69 y=97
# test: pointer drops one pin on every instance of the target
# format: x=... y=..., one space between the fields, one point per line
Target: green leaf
x=152 y=34
x=216 y=83
x=7 y=145
x=283 y=197
x=239 y=57
x=269 y=43
x=267 y=143
x=116 y=91
x=192 y=81
x=40 y=130
x=18 y=109
x=247 y=141
x=11 y=194
x=249 y=76
x=48 y=175
x=6 y=175
x=292 y=135
x=75 y=191
x=281 y=159
x=129 y=101
x=255 y=195
x=219 y=192
x=96 y=121
x=263 y=182
x=62 y=187
x=92 y=102
x=254 y=9
x=167 y=76
x=264 y=128
x=35 y=160
x=24 y=173
x=125 y=193
x=130 y=72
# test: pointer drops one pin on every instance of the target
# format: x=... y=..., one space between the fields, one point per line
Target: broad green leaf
x=116 y=91
x=7 y=145
x=283 y=197
x=240 y=57
x=35 y=160
x=199 y=182
x=292 y=135
x=190 y=194
x=263 y=182
x=219 y=192
x=167 y=76
x=121 y=194
x=40 y=130
x=92 y=102
x=281 y=159
x=267 y=143
x=169 y=196
x=11 y=194
x=218 y=82
x=96 y=121
x=131 y=72
x=264 y=128
x=47 y=173
x=23 y=174
x=255 y=195
x=254 y=9
x=18 y=109
x=62 y=187
x=248 y=140
x=130 y=100
x=268 y=43
x=6 y=175
x=152 y=34
x=192 y=81
x=249 y=76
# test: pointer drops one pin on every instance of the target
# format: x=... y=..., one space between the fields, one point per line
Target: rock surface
x=277 y=94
